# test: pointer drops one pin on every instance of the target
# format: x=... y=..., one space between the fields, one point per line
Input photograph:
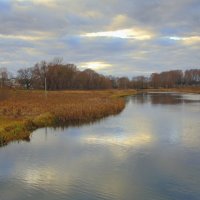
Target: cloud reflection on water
x=131 y=141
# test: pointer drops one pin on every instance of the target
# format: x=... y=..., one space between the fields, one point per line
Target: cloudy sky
x=118 y=37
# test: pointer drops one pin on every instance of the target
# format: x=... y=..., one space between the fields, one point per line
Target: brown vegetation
x=67 y=76
x=56 y=75
x=23 y=111
x=194 y=90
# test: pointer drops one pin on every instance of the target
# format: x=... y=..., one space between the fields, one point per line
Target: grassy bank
x=194 y=90
x=21 y=112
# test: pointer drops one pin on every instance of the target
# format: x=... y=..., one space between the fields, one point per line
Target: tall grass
x=188 y=89
x=23 y=111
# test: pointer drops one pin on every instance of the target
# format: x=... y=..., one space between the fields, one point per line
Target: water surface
x=150 y=151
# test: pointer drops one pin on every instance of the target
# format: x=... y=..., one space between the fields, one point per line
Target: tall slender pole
x=45 y=86
x=1 y=81
x=45 y=80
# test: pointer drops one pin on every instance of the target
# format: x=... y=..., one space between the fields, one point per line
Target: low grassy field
x=195 y=90
x=188 y=90
x=24 y=111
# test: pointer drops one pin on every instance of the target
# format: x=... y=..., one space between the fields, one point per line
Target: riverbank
x=194 y=90
x=21 y=111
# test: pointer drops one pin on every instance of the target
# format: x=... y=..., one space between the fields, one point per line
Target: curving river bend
x=150 y=151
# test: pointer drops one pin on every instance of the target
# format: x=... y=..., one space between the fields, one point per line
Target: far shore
x=194 y=90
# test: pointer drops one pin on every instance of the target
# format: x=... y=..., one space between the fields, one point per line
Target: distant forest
x=56 y=75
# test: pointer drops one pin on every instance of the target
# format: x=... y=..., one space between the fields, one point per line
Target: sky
x=112 y=37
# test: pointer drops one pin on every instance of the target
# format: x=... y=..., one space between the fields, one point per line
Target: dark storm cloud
x=127 y=37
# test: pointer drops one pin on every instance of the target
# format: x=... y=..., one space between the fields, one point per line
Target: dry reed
x=23 y=111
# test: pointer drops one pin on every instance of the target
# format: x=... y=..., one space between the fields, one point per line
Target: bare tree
x=3 y=76
x=192 y=77
x=56 y=75
x=123 y=83
x=25 y=78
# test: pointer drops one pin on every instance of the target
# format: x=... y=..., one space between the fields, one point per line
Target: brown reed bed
x=188 y=89
x=21 y=111
x=194 y=89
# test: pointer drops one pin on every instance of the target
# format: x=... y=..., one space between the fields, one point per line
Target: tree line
x=56 y=75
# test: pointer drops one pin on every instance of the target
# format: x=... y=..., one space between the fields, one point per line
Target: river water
x=150 y=151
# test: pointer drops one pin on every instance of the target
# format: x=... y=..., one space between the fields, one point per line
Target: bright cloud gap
x=98 y=65
x=123 y=34
x=189 y=39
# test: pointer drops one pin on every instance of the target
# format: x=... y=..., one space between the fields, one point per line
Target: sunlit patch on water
x=131 y=141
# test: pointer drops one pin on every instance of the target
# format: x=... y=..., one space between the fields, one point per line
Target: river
x=150 y=151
